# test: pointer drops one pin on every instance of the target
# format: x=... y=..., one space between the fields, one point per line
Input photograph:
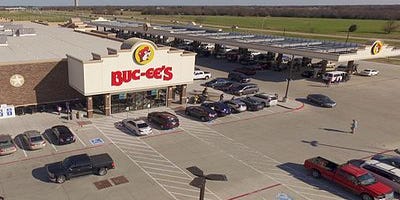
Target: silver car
x=138 y=127
x=267 y=99
x=7 y=145
x=34 y=140
x=236 y=105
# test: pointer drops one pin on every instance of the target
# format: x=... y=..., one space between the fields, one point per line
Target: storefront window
x=138 y=100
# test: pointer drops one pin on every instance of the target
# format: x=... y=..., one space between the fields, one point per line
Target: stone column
x=182 y=95
x=350 y=67
x=89 y=102
x=169 y=95
x=107 y=104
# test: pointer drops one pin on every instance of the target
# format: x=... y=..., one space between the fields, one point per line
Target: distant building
x=15 y=8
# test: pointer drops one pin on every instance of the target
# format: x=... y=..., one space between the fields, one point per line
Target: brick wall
x=44 y=82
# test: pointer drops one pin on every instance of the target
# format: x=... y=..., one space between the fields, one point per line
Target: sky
x=194 y=2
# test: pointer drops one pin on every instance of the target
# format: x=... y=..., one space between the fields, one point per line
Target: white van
x=334 y=76
x=384 y=173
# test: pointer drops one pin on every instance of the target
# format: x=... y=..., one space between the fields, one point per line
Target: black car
x=219 y=107
x=321 y=100
x=164 y=120
x=79 y=165
x=63 y=135
x=217 y=82
x=247 y=88
x=238 y=77
x=308 y=73
x=202 y=113
x=252 y=104
x=226 y=86
x=388 y=159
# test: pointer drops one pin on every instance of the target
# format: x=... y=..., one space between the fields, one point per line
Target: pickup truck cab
x=351 y=177
x=199 y=74
x=79 y=165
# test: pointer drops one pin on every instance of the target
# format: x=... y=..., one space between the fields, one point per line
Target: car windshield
x=142 y=125
x=66 y=163
x=4 y=142
x=36 y=139
x=367 y=179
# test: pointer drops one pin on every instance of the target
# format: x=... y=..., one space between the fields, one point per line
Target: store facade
x=140 y=75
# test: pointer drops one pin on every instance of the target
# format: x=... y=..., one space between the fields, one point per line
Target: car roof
x=5 y=137
x=32 y=133
x=354 y=170
x=336 y=72
x=383 y=166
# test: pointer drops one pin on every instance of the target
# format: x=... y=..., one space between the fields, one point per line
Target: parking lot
x=261 y=152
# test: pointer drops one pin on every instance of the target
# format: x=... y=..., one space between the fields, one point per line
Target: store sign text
x=119 y=77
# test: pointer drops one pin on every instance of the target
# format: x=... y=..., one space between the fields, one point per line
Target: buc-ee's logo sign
x=142 y=55
x=376 y=47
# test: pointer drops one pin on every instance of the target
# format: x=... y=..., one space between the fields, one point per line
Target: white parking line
x=179 y=188
x=51 y=143
x=149 y=163
x=22 y=147
x=165 y=170
x=157 y=160
x=178 y=177
x=145 y=154
x=186 y=195
x=171 y=181
x=80 y=140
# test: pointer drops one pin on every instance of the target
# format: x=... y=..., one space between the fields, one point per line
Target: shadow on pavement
x=40 y=174
x=335 y=130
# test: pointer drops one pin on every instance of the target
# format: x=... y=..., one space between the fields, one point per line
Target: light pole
x=288 y=80
x=200 y=180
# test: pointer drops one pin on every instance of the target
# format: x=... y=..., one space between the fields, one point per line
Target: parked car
x=236 y=105
x=164 y=120
x=353 y=178
x=252 y=104
x=226 y=86
x=202 y=113
x=199 y=74
x=246 y=88
x=137 y=127
x=308 y=73
x=384 y=173
x=238 y=77
x=219 y=107
x=248 y=61
x=267 y=99
x=321 y=100
x=388 y=159
x=79 y=165
x=369 y=72
x=217 y=82
x=63 y=135
x=245 y=70
x=33 y=140
x=7 y=145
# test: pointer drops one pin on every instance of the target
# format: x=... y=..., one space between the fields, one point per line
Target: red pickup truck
x=356 y=179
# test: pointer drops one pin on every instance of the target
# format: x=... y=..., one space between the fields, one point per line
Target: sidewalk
x=291 y=104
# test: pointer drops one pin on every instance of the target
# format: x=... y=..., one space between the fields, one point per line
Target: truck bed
x=323 y=163
x=101 y=160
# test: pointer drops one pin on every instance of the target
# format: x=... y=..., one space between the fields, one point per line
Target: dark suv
x=241 y=89
x=200 y=112
x=63 y=135
x=165 y=120
x=238 y=77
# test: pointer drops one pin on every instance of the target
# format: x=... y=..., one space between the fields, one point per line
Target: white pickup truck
x=199 y=74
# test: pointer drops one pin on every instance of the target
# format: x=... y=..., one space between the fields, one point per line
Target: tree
x=351 y=28
x=390 y=26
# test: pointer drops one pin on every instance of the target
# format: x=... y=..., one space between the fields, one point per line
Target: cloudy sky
x=194 y=2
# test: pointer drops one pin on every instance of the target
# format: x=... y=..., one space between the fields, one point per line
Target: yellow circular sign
x=376 y=47
x=143 y=54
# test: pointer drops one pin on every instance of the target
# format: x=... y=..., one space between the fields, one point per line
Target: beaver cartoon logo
x=376 y=47
x=143 y=54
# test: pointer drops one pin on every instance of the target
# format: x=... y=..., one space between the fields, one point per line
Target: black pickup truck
x=79 y=165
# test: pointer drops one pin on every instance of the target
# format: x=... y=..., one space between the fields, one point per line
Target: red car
x=351 y=177
x=245 y=70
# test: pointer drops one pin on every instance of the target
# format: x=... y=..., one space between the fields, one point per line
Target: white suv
x=384 y=173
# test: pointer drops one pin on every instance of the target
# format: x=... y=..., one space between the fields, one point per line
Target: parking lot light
x=288 y=80
x=200 y=180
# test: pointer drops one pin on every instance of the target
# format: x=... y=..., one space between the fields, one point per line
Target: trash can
x=78 y=115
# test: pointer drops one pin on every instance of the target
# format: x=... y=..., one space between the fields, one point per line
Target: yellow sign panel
x=376 y=47
x=144 y=54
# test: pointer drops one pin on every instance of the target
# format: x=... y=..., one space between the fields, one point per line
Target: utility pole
x=200 y=180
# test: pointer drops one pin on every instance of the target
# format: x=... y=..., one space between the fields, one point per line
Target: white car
x=267 y=99
x=138 y=127
x=199 y=74
x=369 y=72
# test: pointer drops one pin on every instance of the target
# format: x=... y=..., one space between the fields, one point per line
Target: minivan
x=334 y=76
x=242 y=89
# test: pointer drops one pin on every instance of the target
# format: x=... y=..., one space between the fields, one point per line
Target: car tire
x=315 y=173
x=102 y=171
x=60 y=179
x=264 y=104
x=207 y=77
x=366 y=197
x=203 y=119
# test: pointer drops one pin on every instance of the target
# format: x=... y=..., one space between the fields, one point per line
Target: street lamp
x=200 y=180
x=288 y=80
